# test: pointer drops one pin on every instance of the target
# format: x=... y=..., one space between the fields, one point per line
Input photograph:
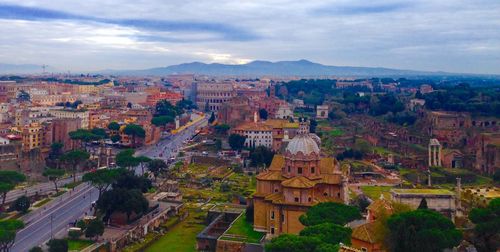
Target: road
x=40 y=188
x=56 y=217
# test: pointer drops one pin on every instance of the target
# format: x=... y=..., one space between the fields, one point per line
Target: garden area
x=374 y=192
x=78 y=244
x=242 y=231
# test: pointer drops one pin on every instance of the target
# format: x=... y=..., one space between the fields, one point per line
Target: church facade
x=296 y=180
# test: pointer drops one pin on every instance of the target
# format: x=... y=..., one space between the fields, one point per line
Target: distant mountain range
x=299 y=68
x=302 y=68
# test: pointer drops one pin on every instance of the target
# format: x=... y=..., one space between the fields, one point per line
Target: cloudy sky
x=445 y=35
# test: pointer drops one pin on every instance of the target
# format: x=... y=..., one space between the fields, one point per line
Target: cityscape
x=250 y=126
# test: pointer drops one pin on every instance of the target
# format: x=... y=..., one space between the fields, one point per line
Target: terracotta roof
x=344 y=248
x=280 y=123
x=331 y=179
x=380 y=205
x=365 y=232
x=270 y=175
x=277 y=163
x=253 y=126
x=274 y=197
x=298 y=182
x=327 y=165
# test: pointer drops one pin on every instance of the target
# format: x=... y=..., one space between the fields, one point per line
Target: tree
x=23 y=96
x=185 y=105
x=74 y=158
x=114 y=126
x=423 y=204
x=95 y=228
x=312 y=125
x=122 y=200
x=218 y=144
x=156 y=166
x=261 y=156
x=212 y=118
x=496 y=176
x=328 y=233
x=126 y=159
x=222 y=129
x=21 y=204
x=330 y=212
x=53 y=175
x=116 y=138
x=421 y=230
x=36 y=249
x=161 y=121
x=8 y=230
x=135 y=131
x=58 y=245
x=165 y=108
x=74 y=234
x=143 y=160
x=56 y=150
x=84 y=136
x=487 y=221
x=263 y=114
x=128 y=180
x=292 y=243
x=103 y=178
x=100 y=133
x=236 y=141
x=8 y=181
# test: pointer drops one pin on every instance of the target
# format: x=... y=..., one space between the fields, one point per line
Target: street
x=40 y=188
x=56 y=217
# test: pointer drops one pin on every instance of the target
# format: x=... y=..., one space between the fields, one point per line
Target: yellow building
x=295 y=181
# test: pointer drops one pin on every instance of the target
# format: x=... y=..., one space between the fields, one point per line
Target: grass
x=424 y=191
x=72 y=185
x=42 y=202
x=139 y=245
x=336 y=133
x=182 y=237
x=78 y=244
x=374 y=192
x=241 y=227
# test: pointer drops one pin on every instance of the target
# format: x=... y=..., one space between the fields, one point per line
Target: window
x=309 y=199
x=312 y=169
x=325 y=194
x=272 y=215
x=299 y=170
x=296 y=199
x=282 y=218
x=272 y=230
x=364 y=249
x=288 y=168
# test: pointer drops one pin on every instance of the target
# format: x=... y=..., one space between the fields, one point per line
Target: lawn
x=336 y=133
x=373 y=192
x=42 y=202
x=182 y=237
x=244 y=229
x=78 y=244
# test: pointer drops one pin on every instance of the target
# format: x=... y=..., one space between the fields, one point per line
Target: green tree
x=487 y=221
x=103 y=178
x=56 y=150
x=218 y=144
x=74 y=159
x=222 y=129
x=330 y=212
x=261 y=156
x=328 y=233
x=36 y=249
x=8 y=181
x=53 y=175
x=212 y=118
x=114 y=126
x=263 y=114
x=165 y=108
x=84 y=136
x=236 y=141
x=421 y=230
x=143 y=160
x=21 y=204
x=100 y=133
x=161 y=121
x=135 y=131
x=423 y=204
x=74 y=234
x=116 y=138
x=128 y=180
x=58 y=245
x=94 y=229
x=8 y=230
x=124 y=201
x=156 y=166
x=293 y=243
x=23 y=96
x=126 y=159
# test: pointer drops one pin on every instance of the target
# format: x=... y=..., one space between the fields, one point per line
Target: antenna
x=44 y=68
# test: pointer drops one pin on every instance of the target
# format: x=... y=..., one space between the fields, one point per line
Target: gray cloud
x=448 y=35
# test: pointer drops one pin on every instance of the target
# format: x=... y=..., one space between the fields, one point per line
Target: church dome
x=303 y=143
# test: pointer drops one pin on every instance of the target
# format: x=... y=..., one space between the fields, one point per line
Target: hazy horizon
x=452 y=36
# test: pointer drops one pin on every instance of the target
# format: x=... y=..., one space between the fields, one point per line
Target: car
x=204 y=153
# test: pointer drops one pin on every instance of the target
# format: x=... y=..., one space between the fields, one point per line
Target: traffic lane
x=39 y=231
x=40 y=188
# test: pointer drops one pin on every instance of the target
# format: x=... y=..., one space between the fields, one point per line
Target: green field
x=182 y=237
x=243 y=228
x=78 y=244
x=374 y=192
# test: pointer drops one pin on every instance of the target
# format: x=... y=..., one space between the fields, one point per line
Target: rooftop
x=423 y=191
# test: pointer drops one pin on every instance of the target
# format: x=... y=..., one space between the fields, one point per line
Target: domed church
x=296 y=180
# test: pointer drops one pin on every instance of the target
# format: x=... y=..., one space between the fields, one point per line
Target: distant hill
x=22 y=69
x=281 y=68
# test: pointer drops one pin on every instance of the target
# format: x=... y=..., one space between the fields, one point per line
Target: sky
x=433 y=35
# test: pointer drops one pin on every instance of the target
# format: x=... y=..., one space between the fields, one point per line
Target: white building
x=84 y=115
x=284 y=112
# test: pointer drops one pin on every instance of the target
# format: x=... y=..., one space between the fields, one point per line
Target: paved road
x=56 y=217
x=40 y=188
